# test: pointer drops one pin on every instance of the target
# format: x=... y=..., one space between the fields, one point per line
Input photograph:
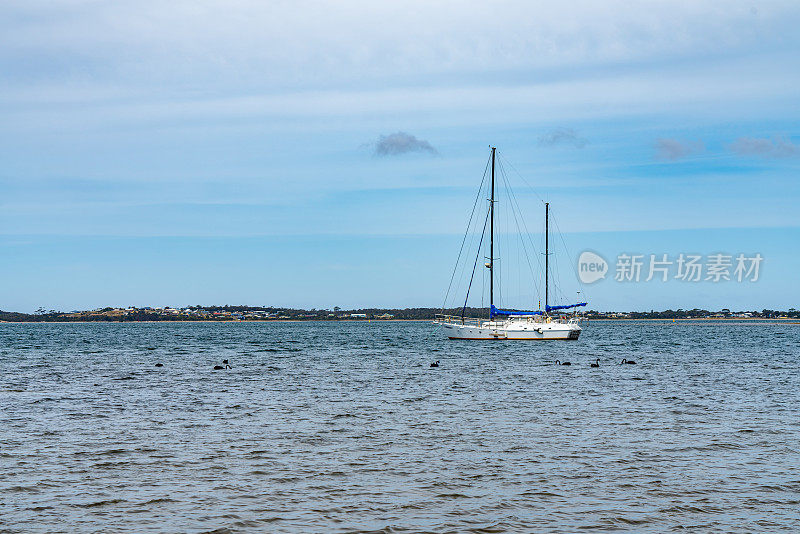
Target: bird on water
x=558 y=362
x=159 y=365
x=220 y=367
x=435 y=364
x=629 y=362
x=596 y=363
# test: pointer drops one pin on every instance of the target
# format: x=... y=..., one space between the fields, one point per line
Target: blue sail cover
x=494 y=311
x=565 y=307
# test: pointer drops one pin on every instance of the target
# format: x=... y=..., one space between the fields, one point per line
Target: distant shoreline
x=232 y=321
x=231 y=313
x=789 y=320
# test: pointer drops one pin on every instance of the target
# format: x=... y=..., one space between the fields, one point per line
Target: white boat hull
x=533 y=331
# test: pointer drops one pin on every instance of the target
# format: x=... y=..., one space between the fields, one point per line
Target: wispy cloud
x=278 y=43
x=401 y=143
x=562 y=136
x=777 y=147
x=675 y=149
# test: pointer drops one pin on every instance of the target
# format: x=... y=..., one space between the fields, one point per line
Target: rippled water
x=325 y=427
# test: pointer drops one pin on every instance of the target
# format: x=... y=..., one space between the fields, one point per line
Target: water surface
x=344 y=427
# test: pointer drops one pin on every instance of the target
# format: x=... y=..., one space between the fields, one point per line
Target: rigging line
x=555 y=283
x=581 y=286
x=559 y=294
x=527 y=233
x=484 y=278
x=574 y=266
x=515 y=208
x=511 y=208
x=519 y=230
x=467 y=236
x=555 y=280
x=478 y=255
x=469 y=224
x=524 y=225
x=463 y=268
x=475 y=235
x=524 y=180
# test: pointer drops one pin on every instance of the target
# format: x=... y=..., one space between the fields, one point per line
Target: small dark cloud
x=401 y=143
x=777 y=147
x=563 y=136
x=675 y=149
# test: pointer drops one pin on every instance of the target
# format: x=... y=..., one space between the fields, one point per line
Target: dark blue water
x=323 y=427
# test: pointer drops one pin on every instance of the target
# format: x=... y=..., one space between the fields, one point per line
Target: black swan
x=220 y=367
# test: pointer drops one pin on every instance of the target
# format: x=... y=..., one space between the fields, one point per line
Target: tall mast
x=546 y=253
x=491 y=241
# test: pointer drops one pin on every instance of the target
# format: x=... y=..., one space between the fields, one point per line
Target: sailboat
x=513 y=324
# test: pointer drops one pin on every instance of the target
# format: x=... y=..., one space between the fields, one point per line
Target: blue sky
x=226 y=152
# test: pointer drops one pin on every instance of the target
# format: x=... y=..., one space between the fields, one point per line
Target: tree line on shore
x=270 y=313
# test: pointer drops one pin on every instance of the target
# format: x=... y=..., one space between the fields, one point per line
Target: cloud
x=675 y=149
x=401 y=143
x=247 y=45
x=777 y=147
x=562 y=136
